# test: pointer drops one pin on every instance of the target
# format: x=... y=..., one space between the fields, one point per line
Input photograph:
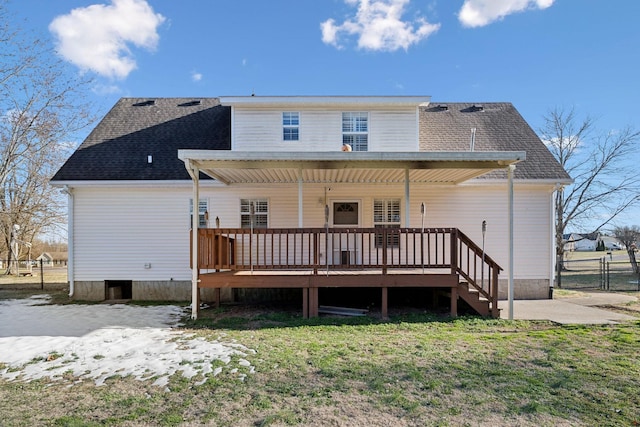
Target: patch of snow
x=97 y=342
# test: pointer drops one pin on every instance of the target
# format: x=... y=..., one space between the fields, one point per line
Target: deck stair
x=476 y=301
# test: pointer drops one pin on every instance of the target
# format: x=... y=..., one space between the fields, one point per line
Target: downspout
x=195 y=216
x=552 y=239
x=70 y=239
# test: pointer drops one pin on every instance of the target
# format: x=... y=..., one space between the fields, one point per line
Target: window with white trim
x=386 y=213
x=290 y=126
x=355 y=130
x=259 y=213
x=203 y=213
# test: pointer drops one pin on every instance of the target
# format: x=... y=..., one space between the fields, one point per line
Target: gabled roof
x=499 y=127
x=135 y=128
x=118 y=149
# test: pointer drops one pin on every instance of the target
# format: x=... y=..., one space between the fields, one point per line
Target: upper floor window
x=254 y=212
x=203 y=213
x=355 y=130
x=290 y=126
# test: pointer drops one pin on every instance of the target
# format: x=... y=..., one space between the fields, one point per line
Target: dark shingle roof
x=135 y=128
x=499 y=127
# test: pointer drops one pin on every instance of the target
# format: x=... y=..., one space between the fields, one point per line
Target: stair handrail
x=493 y=268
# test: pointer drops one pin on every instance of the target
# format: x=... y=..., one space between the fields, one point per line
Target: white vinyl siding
x=261 y=129
x=119 y=230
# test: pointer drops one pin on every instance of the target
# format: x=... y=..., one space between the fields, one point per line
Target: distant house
x=611 y=243
x=53 y=259
x=275 y=192
x=579 y=242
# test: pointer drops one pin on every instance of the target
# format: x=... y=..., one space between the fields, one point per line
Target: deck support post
x=313 y=302
x=385 y=303
x=305 y=303
x=454 y=302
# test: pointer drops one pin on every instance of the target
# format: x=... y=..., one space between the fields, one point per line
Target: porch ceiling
x=233 y=167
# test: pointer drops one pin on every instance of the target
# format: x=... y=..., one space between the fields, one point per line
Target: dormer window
x=290 y=126
x=355 y=130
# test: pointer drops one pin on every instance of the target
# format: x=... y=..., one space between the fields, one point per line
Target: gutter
x=70 y=211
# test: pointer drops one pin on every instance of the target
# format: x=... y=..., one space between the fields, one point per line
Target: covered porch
x=312 y=258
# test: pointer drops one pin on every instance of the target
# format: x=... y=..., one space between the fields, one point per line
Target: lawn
x=415 y=369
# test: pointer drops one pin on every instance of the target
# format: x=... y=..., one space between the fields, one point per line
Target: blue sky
x=537 y=54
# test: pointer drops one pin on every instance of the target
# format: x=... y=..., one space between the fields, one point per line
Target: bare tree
x=605 y=184
x=42 y=107
x=629 y=236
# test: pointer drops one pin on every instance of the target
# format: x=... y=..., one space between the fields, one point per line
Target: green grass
x=415 y=369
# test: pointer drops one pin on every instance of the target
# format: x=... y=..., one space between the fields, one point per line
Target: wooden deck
x=384 y=258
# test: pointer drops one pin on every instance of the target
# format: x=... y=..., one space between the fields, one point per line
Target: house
x=579 y=242
x=611 y=243
x=428 y=191
x=53 y=259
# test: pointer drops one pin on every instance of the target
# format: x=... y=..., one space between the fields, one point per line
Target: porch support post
x=510 y=172
x=300 y=204
x=407 y=201
x=195 y=210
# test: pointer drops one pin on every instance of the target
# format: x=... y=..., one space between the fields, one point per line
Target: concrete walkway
x=582 y=309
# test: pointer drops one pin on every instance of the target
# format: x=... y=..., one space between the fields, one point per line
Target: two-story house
x=311 y=193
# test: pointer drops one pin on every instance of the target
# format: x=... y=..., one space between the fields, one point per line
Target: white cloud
x=378 y=25
x=478 y=13
x=195 y=76
x=98 y=37
x=102 y=90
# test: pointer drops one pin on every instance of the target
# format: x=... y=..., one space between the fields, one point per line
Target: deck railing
x=326 y=249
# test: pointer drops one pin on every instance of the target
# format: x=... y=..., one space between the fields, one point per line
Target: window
x=345 y=213
x=386 y=213
x=260 y=213
x=355 y=130
x=290 y=126
x=203 y=213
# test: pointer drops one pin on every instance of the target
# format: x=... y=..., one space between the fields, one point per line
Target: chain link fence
x=32 y=274
x=611 y=272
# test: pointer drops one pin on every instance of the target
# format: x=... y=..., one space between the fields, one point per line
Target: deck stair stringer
x=476 y=301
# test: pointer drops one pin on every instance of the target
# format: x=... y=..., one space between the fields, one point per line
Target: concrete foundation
x=180 y=290
x=168 y=290
x=524 y=289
